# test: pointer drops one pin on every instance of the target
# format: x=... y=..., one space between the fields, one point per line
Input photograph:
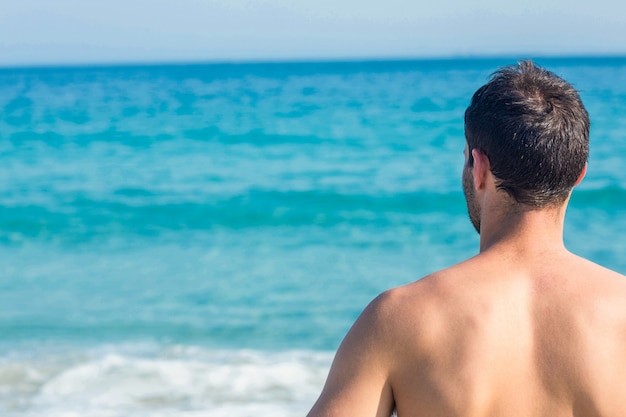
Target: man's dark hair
x=534 y=128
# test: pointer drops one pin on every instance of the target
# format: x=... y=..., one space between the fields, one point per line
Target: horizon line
x=307 y=60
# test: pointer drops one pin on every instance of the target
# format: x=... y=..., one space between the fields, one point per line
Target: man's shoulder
x=604 y=291
x=419 y=309
x=596 y=280
x=415 y=295
x=426 y=293
x=605 y=272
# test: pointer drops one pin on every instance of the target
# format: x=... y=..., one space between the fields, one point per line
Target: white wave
x=179 y=381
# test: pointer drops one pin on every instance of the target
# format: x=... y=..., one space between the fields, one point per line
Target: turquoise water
x=196 y=240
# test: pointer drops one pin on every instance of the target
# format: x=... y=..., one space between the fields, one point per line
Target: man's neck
x=523 y=230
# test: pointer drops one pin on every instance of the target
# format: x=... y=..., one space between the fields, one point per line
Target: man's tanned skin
x=525 y=328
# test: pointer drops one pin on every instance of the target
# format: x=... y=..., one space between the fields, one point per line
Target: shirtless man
x=525 y=328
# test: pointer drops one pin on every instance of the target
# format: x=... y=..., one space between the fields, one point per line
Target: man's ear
x=481 y=169
x=582 y=175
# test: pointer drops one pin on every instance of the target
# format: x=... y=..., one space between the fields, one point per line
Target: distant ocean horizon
x=196 y=239
x=508 y=58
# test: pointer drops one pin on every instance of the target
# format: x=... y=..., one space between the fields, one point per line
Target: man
x=524 y=328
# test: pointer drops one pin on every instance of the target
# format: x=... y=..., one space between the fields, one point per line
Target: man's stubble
x=473 y=210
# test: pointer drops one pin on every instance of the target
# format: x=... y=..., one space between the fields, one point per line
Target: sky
x=44 y=32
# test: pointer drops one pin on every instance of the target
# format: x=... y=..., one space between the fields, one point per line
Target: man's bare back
x=485 y=338
x=524 y=328
x=499 y=340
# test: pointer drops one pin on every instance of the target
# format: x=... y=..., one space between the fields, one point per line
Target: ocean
x=195 y=240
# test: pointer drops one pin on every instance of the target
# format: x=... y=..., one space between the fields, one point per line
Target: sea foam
x=174 y=381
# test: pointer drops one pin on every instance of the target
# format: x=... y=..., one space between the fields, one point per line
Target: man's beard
x=468 y=189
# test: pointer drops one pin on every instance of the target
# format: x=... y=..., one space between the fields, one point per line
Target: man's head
x=533 y=129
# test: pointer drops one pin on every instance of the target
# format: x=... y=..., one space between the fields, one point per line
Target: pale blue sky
x=118 y=31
